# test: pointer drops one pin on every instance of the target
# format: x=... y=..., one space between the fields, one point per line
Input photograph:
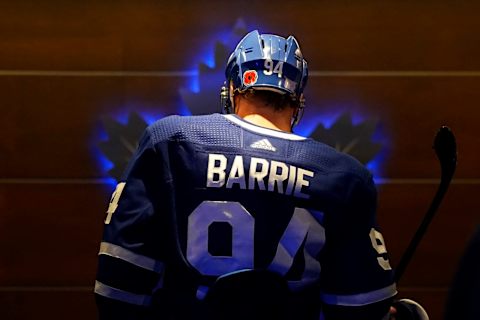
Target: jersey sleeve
x=132 y=255
x=356 y=274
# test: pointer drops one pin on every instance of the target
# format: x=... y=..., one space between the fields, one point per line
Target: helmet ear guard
x=225 y=101
x=298 y=114
x=226 y=98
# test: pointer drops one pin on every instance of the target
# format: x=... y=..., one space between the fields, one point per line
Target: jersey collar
x=262 y=130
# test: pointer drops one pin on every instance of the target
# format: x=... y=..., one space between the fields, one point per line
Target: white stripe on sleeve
x=125 y=296
x=141 y=261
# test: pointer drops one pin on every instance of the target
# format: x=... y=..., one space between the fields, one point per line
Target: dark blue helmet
x=267 y=62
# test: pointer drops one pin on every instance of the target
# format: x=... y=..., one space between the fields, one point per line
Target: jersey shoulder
x=204 y=129
x=330 y=160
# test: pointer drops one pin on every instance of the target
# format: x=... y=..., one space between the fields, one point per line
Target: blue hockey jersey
x=209 y=196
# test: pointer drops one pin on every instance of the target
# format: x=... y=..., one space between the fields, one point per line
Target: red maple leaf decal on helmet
x=250 y=77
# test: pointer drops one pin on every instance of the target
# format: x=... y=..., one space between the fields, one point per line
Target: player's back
x=246 y=197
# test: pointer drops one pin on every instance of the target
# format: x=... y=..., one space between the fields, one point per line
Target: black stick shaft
x=407 y=256
x=445 y=148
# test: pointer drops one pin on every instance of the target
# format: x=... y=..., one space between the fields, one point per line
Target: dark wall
x=66 y=64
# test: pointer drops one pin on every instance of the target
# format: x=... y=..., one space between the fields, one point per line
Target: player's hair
x=272 y=99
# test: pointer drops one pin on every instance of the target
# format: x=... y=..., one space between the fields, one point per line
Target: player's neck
x=264 y=116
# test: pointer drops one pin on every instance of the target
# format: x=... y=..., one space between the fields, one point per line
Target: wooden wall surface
x=64 y=65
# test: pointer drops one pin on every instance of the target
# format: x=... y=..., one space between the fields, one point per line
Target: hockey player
x=220 y=215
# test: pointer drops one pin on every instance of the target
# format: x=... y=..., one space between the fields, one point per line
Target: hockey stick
x=446 y=149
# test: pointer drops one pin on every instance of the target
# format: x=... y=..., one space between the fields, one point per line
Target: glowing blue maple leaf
x=343 y=135
x=122 y=142
x=354 y=139
x=211 y=79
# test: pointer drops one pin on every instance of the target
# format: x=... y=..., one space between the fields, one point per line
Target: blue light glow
x=193 y=84
x=101 y=161
x=150 y=117
x=121 y=117
x=376 y=164
x=313 y=117
x=184 y=111
x=206 y=54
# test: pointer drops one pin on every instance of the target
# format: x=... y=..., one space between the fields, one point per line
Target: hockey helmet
x=266 y=62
